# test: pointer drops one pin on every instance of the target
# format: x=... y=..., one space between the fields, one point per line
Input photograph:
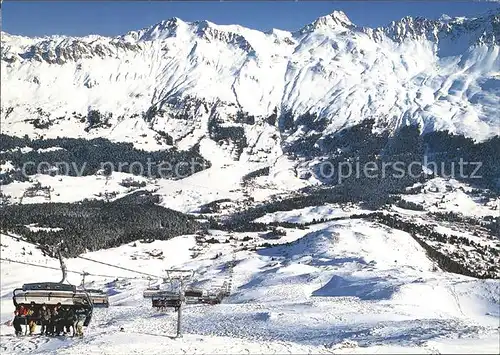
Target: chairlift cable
x=74 y=272
x=30 y=264
x=80 y=272
x=120 y=267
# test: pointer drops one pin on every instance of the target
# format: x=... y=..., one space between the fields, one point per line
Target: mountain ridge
x=328 y=21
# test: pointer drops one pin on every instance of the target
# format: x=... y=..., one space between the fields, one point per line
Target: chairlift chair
x=193 y=292
x=162 y=298
x=191 y=297
x=172 y=296
x=51 y=294
x=213 y=298
x=99 y=298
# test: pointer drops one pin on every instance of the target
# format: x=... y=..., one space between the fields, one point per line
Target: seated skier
x=68 y=319
x=44 y=315
x=32 y=317
x=56 y=319
x=19 y=318
x=79 y=320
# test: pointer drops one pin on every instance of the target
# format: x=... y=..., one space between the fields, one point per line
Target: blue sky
x=112 y=18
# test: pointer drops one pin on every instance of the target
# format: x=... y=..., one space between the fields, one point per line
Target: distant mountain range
x=182 y=84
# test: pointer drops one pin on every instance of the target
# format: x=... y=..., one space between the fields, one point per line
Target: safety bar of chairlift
x=50 y=294
x=180 y=270
x=191 y=272
x=159 y=293
x=165 y=297
x=37 y=294
x=57 y=287
x=14 y=295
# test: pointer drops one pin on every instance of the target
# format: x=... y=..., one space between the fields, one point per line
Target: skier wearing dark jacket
x=69 y=320
x=61 y=319
x=55 y=319
x=44 y=319
x=50 y=326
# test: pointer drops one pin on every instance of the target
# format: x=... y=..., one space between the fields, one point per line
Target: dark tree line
x=490 y=223
x=448 y=149
x=234 y=135
x=407 y=149
x=256 y=173
x=87 y=157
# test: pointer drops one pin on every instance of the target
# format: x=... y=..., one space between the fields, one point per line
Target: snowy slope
x=349 y=286
x=177 y=76
x=332 y=290
x=449 y=195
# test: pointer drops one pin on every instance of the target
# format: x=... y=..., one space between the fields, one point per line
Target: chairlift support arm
x=63 y=267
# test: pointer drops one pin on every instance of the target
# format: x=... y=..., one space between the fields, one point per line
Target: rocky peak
x=210 y=32
x=335 y=20
x=484 y=29
x=161 y=30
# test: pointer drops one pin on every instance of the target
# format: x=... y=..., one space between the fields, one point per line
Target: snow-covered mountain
x=181 y=78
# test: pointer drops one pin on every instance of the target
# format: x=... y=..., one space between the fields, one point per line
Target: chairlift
x=162 y=299
x=172 y=294
x=176 y=293
x=193 y=292
x=99 y=298
x=213 y=297
x=51 y=294
x=194 y=295
x=34 y=295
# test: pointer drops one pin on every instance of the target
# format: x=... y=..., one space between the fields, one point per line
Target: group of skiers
x=54 y=320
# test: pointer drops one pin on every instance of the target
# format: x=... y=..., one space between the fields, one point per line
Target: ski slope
x=449 y=195
x=344 y=287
